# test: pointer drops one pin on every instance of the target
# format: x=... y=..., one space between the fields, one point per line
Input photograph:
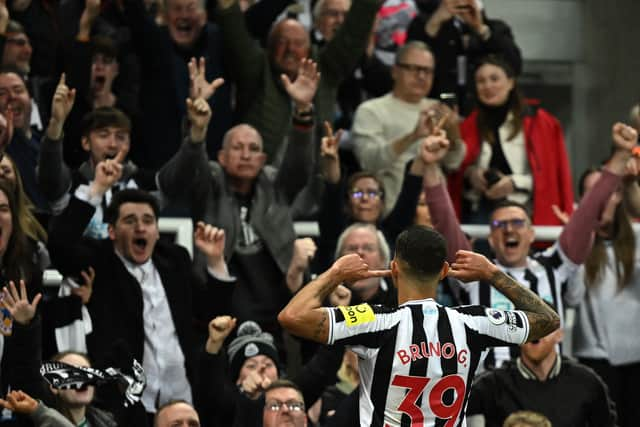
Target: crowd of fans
x=366 y=116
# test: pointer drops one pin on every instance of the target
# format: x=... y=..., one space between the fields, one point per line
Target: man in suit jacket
x=145 y=298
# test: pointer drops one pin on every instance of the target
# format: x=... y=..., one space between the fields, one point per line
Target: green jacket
x=261 y=99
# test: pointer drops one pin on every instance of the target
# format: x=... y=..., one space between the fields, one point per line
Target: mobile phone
x=449 y=98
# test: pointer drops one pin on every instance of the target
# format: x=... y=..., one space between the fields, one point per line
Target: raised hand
x=329 y=154
x=330 y=142
x=199 y=86
x=18 y=304
x=434 y=147
x=199 y=115
x=304 y=250
x=304 y=88
x=107 y=173
x=85 y=291
x=89 y=15
x=351 y=268
x=470 y=266
x=472 y=15
x=624 y=137
x=61 y=105
x=19 y=402
x=424 y=125
x=210 y=240
x=4 y=16
x=219 y=329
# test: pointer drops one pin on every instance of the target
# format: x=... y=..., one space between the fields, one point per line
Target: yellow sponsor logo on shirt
x=357 y=314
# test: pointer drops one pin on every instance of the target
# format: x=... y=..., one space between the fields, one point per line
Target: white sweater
x=376 y=125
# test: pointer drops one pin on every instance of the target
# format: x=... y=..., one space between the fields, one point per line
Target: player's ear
x=444 y=270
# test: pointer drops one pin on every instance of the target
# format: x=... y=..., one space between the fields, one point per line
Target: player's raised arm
x=470 y=266
x=304 y=316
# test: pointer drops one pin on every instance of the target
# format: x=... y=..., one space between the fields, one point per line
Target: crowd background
x=245 y=117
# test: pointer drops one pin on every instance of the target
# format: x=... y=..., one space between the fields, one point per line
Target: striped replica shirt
x=417 y=361
x=544 y=274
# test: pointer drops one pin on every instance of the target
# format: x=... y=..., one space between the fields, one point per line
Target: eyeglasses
x=515 y=223
x=292 y=405
x=415 y=69
x=371 y=194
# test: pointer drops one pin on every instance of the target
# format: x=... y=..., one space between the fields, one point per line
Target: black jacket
x=116 y=305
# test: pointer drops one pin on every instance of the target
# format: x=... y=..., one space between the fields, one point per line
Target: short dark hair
x=280 y=383
x=15 y=27
x=104 y=117
x=506 y=203
x=130 y=195
x=104 y=45
x=422 y=250
x=12 y=69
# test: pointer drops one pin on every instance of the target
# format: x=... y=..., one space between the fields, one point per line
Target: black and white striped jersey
x=544 y=274
x=417 y=361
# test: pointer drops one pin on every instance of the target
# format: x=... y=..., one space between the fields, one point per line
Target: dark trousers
x=622 y=382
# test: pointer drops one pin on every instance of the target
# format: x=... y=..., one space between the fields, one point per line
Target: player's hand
x=19 y=402
x=219 y=329
x=341 y=296
x=470 y=266
x=18 y=303
x=352 y=268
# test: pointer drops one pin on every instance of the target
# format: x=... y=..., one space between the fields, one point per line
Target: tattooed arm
x=304 y=316
x=470 y=266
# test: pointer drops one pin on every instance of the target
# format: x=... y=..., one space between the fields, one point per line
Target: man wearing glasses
x=284 y=405
x=511 y=236
x=387 y=131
